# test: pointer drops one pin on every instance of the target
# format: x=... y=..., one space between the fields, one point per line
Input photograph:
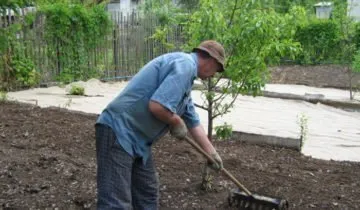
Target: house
x=323 y=10
x=354 y=9
x=123 y=6
x=9 y=16
x=126 y=6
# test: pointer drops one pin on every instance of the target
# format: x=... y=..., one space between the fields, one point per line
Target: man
x=156 y=100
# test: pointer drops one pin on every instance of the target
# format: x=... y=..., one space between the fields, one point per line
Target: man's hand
x=218 y=165
x=179 y=130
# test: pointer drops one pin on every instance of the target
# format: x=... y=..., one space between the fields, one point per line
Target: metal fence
x=121 y=55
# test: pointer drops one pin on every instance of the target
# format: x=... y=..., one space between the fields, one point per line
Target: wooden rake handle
x=226 y=172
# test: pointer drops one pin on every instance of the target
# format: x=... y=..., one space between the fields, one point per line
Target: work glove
x=218 y=165
x=179 y=130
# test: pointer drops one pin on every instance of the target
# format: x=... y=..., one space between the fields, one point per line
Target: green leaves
x=223 y=132
x=254 y=37
x=77 y=90
x=318 y=39
x=356 y=62
x=72 y=32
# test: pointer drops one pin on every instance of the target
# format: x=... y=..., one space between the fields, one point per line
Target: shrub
x=318 y=41
x=77 y=90
x=3 y=96
x=223 y=132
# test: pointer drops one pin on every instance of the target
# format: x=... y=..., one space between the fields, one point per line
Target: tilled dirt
x=47 y=160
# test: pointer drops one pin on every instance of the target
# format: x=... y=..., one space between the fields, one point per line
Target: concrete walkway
x=333 y=133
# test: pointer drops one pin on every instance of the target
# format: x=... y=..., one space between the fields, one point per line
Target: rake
x=245 y=199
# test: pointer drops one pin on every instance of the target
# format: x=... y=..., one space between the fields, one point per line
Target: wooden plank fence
x=124 y=51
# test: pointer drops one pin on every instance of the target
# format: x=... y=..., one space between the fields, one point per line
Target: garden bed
x=47 y=159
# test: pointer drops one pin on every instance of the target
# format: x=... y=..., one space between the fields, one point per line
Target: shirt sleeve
x=190 y=116
x=172 y=89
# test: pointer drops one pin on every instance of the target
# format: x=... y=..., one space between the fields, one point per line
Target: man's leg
x=145 y=190
x=113 y=172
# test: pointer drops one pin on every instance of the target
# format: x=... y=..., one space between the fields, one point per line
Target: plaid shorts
x=123 y=182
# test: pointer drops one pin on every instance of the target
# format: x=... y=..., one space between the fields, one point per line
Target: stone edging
x=314 y=98
x=287 y=142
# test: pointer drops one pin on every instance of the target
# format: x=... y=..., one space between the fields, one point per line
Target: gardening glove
x=218 y=165
x=179 y=130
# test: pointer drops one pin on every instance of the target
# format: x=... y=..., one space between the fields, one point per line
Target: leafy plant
x=17 y=69
x=25 y=72
x=77 y=90
x=3 y=96
x=318 y=39
x=167 y=14
x=72 y=32
x=355 y=68
x=346 y=53
x=223 y=132
x=68 y=103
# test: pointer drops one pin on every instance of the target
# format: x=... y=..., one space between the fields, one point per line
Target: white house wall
x=354 y=9
x=124 y=6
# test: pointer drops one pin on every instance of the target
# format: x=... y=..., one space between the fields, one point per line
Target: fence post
x=116 y=59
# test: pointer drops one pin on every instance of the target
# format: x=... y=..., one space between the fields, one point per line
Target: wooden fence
x=121 y=55
x=132 y=45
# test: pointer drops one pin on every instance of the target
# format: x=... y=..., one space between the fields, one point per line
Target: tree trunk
x=58 y=55
x=350 y=83
x=207 y=178
x=210 y=111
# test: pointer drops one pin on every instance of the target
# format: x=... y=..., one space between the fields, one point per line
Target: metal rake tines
x=241 y=200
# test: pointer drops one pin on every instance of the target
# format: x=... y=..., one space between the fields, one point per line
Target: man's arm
x=199 y=135
x=197 y=132
x=161 y=113
x=179 y=129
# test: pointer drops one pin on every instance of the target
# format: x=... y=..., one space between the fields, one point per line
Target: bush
x=72 y=33
x=223 y=131
x=77 y=90
x=3 y=96
x=356 y=38
x=17 y=70
x=25 y=72
x=318 y=41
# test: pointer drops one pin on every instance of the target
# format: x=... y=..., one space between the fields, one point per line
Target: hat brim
x=214 y=57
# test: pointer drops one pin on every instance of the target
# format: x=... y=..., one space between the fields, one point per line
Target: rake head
x=241 y=200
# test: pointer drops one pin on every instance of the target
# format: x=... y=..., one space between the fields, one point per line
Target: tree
x=355 y=68
x=254 y=37
x=10 y=50
x=347 y=47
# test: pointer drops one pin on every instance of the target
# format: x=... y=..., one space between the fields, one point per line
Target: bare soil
x=47 y=160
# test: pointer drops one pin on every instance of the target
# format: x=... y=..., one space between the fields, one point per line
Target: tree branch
x=221 y=76
x=222 y=93
x=201 y=107
x=232 y=102
x=233 y=13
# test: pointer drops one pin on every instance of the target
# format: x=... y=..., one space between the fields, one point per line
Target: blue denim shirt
x=168 y=80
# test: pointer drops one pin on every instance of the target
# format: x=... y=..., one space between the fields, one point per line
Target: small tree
x=355 y=68
x=347 y=46
x=254 y=37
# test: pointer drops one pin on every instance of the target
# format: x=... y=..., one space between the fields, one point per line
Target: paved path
x=333 y=133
